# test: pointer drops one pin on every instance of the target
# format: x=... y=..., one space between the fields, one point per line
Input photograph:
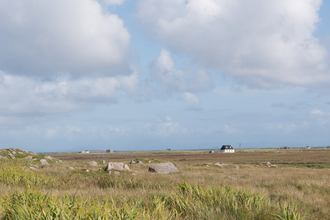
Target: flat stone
x=32 y=168
x=115 y=166
x=139 y=162
x=117 y=173
x=71 y=168
x=163 y=168
x=28 y=157
x=92 y=163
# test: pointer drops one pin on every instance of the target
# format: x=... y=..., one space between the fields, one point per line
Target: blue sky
x=157 y=74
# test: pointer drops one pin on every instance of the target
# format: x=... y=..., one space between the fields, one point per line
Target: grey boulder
x=115 y=166
x=163 y=168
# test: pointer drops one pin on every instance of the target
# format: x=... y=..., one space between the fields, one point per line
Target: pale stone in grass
x=32 y=168
x=220 y=165
x=92 y=163
x=44 y=162
x=103 y=162
x=132 y=162
x=1 y=157
x=48 y=157
x=163 y=168
x=117 y=173
x=28 y=157
x=71 y=168
x=115 y=166
x=139 y=161
x=126 y=167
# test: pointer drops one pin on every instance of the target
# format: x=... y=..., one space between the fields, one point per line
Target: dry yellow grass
x=301 y=177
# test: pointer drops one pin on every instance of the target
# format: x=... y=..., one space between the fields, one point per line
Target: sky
x=158 y=74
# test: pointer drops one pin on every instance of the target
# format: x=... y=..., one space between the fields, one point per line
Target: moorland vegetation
x=243 y=187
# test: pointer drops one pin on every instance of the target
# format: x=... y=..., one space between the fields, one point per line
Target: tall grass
x=20 y=176
x=187 y=202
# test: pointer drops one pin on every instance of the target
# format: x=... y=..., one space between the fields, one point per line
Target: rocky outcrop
x=163 y=168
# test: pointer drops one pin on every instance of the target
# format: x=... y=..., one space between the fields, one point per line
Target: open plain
x=294 y=184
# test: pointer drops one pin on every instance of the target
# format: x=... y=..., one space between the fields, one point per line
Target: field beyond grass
x=243 y=188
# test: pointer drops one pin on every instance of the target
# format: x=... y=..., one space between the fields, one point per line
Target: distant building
x=82 y=152
x=211 y=151
x=109 y=151
x=87 y=151
x=227 y=149
x=308 y=147
x=328 y=146
x=168 y=149
x=285 y=148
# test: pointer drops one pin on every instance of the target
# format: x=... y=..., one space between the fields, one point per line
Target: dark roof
x=224 y=147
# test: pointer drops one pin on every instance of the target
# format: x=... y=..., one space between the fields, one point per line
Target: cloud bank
x=263 y=44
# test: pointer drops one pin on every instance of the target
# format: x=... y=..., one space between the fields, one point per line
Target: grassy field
x=244 y=188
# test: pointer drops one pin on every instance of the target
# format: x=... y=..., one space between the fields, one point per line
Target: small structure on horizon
x=227 y=149
x=308 y=147
x=285 y=148
x=168 y=149
x=109 y=151
x=84 y=152
x=211 y=151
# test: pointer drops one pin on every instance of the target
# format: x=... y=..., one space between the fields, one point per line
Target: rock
x=100 y=169
x=44 y=162
x=126 y=167
x=163 y=168
x=149 y=161
x=117 y=173
x=28 y=157
x=139 y=161
x=34 y=159
x=1 y=157
x=92 y=163
x=109 y=172
x=207 y=166
x=48 y=157
x=132 y=162
x=237 y=167
x=32 y=168
x=85 y=170
x=115 y=166
x=268 y=164
x=103 y=161
x=71 y=168
x=60 y=161
x=32 y=165
x=12 y=156
x=20 y=152
x=220 y=165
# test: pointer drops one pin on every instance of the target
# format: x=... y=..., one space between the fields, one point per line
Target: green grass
x=186 y=202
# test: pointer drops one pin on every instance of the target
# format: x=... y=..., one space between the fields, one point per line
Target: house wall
x=227 y=151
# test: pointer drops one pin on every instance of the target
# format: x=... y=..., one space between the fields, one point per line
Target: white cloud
x=190 y=99
x=162 y=69
x=76 y=36
x=317 y=112
x=113 y=2
x=27 y=95
x=261 y=43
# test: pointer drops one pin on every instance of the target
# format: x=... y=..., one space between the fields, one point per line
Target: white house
x=227 y=149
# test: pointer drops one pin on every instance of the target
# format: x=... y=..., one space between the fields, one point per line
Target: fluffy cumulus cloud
x=162 y=69
x=46 y=37
x=60 y=56
x=27 y=95
x=261 y=43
